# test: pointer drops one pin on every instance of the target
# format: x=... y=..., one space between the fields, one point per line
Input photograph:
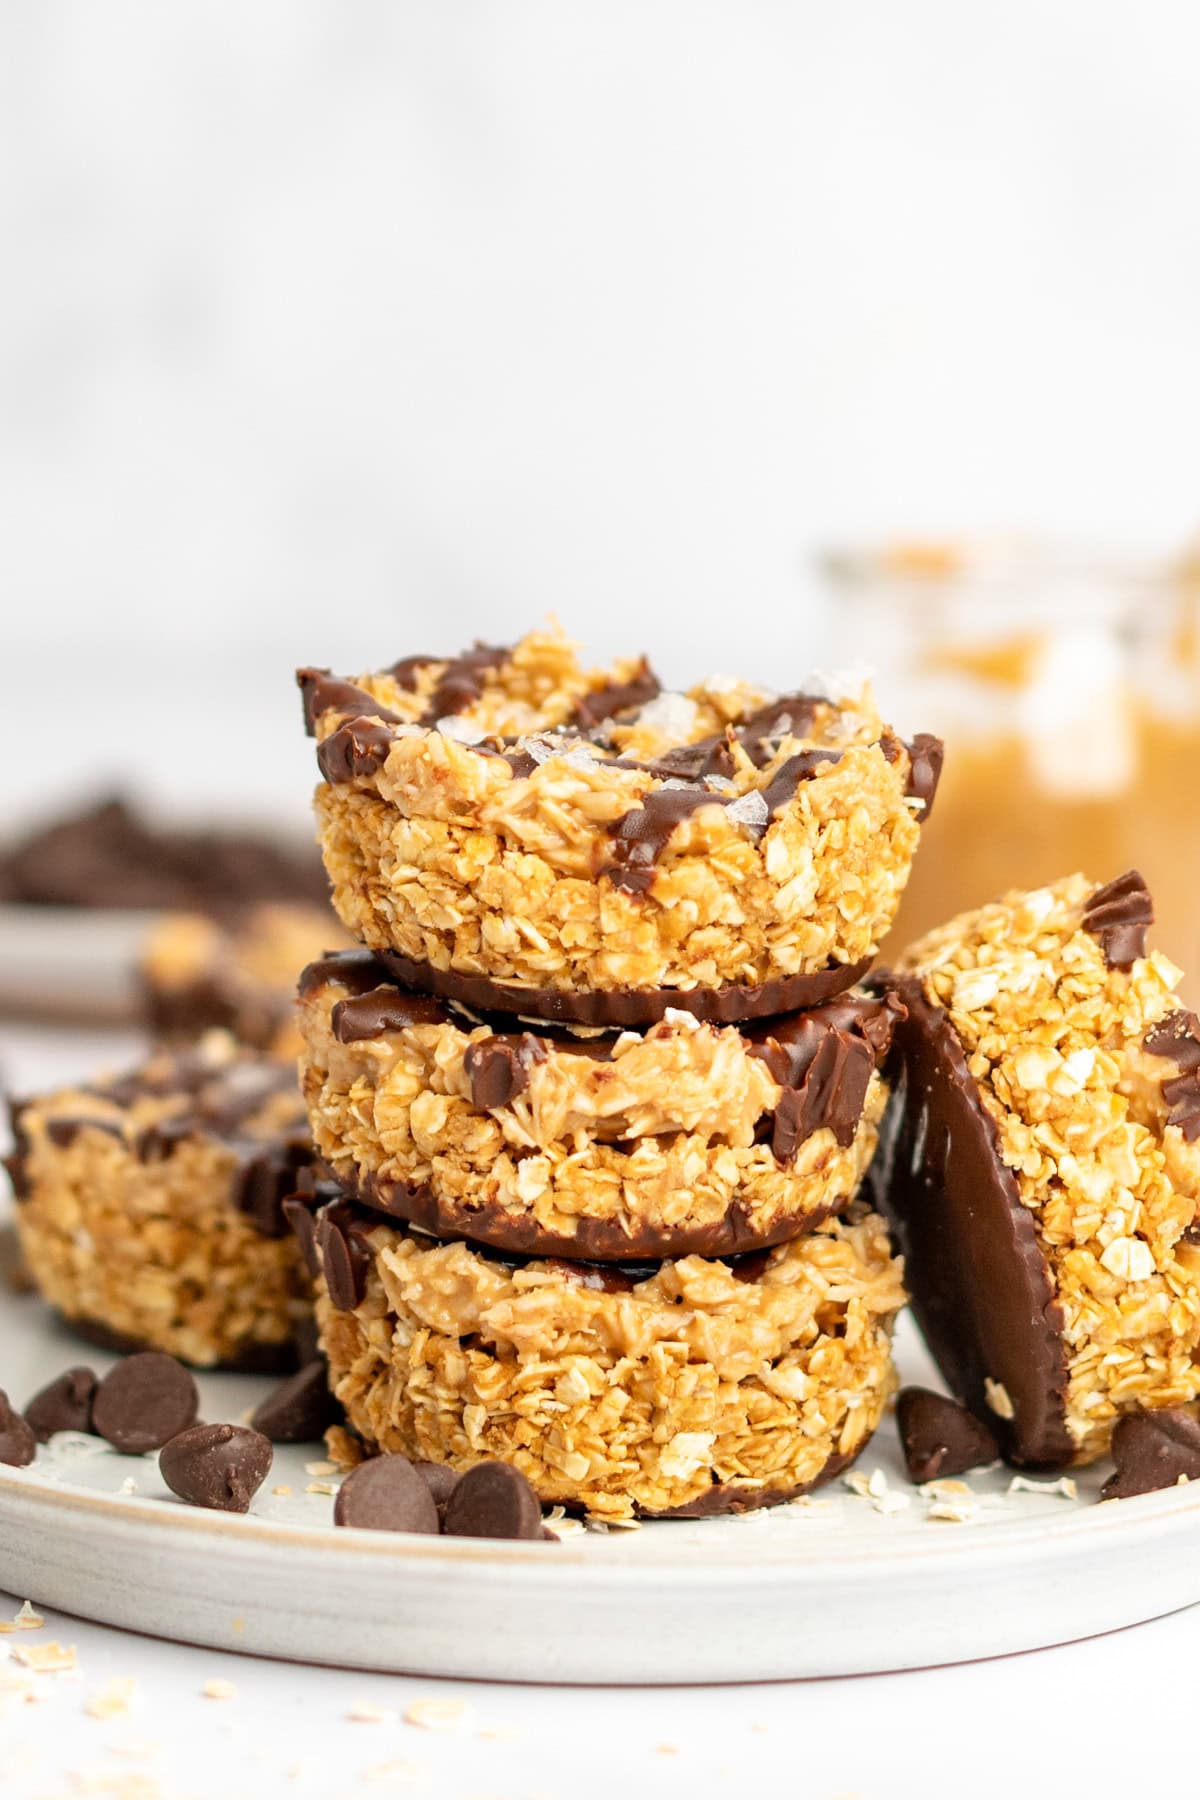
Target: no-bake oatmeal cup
x=149 y=1206
x=517 y=833
x=686 y=1138
x=676 y=1388
x=1041 y=1166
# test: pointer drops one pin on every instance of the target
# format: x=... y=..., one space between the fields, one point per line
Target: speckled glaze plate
x=844 y=1583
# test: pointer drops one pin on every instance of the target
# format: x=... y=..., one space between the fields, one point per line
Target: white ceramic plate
x=838 y=1585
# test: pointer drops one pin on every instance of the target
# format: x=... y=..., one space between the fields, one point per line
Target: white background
x=335 y=332
x=332 y=332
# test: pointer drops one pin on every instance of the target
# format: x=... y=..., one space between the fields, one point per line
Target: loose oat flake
x=435 y=1713
x=1065 y=1487
x=218 y=1689
x=114 y=1698
x=47 y=1659
x=365 y=1712
x=25 y=1620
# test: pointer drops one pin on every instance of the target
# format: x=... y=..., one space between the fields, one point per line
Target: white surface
x=1024 y=1724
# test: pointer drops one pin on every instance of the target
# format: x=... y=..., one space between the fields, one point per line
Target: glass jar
x=1067 y=690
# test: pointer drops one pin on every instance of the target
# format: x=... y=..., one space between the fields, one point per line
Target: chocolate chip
x=65 y=1404
x=18 y=1446
x=343 y=1259
x=300 y=1408
x=143 y=1402
x=386 y=1494
x=926 y=756
x=1118 y=914
x=1177 y=1038
x=498 y=1067
x=1151 y=1451
x=493 y=1500
x=219 y=1466
x=440 y=1479
x=940 y=1437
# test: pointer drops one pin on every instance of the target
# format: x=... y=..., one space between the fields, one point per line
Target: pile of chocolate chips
x=149 y=1401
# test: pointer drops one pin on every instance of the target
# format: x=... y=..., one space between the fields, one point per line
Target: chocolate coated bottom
x=594 y=1240
x=626 y=1006
x=980 y=1285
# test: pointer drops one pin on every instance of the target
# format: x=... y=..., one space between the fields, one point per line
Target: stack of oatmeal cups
x=595 y=1096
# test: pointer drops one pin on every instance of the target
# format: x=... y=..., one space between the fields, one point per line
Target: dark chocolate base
x=594 y=1240
x=255 y=1359
x=625 y=1006
x=980 y=1286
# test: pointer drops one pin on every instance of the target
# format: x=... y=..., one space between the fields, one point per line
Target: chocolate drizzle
x=322 y=692
x=617 y=697
x=640 y=836
x=980 y=1285
x=1118 y=915
x=357 y=748
x=1178 y=1039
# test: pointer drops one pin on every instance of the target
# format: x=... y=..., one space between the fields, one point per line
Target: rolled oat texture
x=687 y=1138
x=1042 y=1165
x=688 y=1386
x=512 y=817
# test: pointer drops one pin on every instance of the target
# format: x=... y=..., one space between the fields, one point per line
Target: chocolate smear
x=385 y=1008
x=146 y=1400
x=640 y=836
x=64 y=1404
x=617 y=697
x=1117 y=915
x=493 y=1500
x=1178 y=1039
x=830 y=1094
x=939 y=1437
x=1153 y=1450
x=18 y=1445
x=386 y=1493
x=218 y=1466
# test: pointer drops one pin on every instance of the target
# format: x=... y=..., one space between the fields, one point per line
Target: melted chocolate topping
x=618 y=697
x=383 y=1009
x=640 y=836
x=462 y=681
x=322 y=692
x=980 y=1285
x=1118 y=915
x=358 y=971
x=1178 y=1039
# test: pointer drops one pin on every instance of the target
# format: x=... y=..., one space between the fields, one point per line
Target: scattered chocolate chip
x=65 y=1404
x=1117 y=915
x=386 y=1494
x=18 y=1446
x=493 y=1500
x=939 y=1437
x=146 y=1400
x=300 y=1409
x=440 y=1479
x=219 y=1466
x=1152 y=1450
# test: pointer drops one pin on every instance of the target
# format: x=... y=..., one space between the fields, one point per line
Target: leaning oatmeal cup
x=686 y=1138
x=149 y=1206
x=1041 y=1166
x=519 y=834
x=679 y=1388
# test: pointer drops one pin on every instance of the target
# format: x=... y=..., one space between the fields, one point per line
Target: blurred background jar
x=1067 y=689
